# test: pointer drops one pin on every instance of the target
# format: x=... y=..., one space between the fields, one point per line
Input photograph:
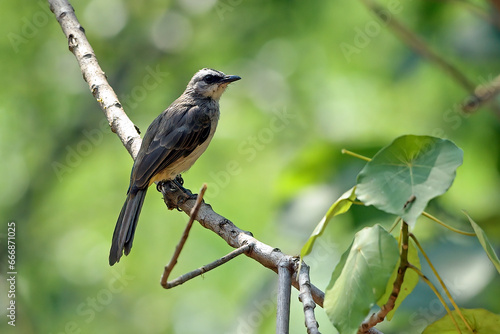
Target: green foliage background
x=274 y=167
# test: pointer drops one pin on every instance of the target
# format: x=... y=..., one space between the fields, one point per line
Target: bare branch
x=235 y=237
x=306 y=298
x=95 y=76
x=396 y=288
x=284 y=293
x=173 y=261
x=417 y=44
x=482 y=95
x=200 y=271
x=496 y=3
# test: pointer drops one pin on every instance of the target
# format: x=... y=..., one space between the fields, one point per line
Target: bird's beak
x=229 y=78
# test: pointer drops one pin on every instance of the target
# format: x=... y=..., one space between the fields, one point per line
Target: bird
x=171 y=145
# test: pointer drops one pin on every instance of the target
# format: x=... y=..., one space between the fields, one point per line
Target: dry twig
x=200 y=271
x=306 y=298
x=235 y=237
x=284 y=293
x=173 y=261
x=418 y=45
x=482 y=95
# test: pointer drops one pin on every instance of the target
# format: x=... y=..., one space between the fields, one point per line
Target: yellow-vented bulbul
x=171 y=145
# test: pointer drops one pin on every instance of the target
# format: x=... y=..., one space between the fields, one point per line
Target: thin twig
x=284 y=293
x=483 y=12
x=235 y=237
x=200 y=271
x=306 y=298
x=417 y=44
x=375 y=318
x=482 y=95
x=173 y=261
x=496 y=3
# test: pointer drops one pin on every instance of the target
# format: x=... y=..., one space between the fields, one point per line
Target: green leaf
x=360 y=278
x=410 y=281
x=483 y=239
x=481 y=321
x=404 y=176
x=340 y=206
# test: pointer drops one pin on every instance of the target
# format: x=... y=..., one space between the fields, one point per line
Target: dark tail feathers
x=123 y=236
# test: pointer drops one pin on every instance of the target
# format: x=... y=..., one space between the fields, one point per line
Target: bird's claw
x=167 y=185
x=173 y=186
x=187 y=196
x=179 y=180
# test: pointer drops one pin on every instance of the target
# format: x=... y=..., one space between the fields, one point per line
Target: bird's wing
x=172 y=135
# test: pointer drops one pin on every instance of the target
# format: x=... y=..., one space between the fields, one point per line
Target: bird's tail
x=123 y=236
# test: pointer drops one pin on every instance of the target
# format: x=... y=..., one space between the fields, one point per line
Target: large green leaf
x=340 y=206
x=410 y=281
x=481 y=321
x=404 y=176
x=483 y=239
x=360 y=278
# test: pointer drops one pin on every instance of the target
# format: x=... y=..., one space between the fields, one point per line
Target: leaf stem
x=436 y=292
x=398 y=220
x=356 y=155
x=431 y=217
x=441 y=282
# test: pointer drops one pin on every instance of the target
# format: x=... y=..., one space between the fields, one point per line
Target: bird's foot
x=186 y=195
x=169 y=187
x=179 y=180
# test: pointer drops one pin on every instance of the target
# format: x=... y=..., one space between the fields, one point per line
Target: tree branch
x=200 y=271
x=483 y=94
x=173 y=261
x=235 y=237
x=417 y=44
x=120 y=124
x=284 y=293
x=95 y=76
x=306 y=298
x=375 y=318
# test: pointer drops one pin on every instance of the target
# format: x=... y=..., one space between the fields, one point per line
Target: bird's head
x=210 y=83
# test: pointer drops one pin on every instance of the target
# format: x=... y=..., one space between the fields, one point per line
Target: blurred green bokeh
x=273 y=168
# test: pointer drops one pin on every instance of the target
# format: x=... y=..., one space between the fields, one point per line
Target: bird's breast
x=184 y=163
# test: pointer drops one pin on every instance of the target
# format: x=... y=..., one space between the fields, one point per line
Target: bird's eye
x=209 y=79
